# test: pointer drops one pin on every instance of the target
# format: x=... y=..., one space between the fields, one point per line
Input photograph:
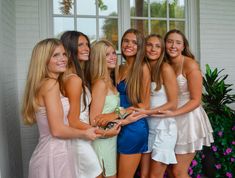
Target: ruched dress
x=133 y=138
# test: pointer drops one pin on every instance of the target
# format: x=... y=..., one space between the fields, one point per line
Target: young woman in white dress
x=77 y=90
x=194 y=128
x=162 y=131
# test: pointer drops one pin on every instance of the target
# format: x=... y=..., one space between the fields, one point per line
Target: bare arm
x=171 y=88
x=145 y=93
x=73 y=90
x=99 y=92
x=194 y=78
x=50 y=95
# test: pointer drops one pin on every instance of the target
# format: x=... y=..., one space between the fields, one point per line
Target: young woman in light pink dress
x=45 y=104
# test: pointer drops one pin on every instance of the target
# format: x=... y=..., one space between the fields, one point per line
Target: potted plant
x=219 y=159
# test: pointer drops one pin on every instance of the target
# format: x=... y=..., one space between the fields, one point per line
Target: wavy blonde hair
x=37 y=73
x=98 y=63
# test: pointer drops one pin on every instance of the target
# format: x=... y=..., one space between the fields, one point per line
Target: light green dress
x=106 y=148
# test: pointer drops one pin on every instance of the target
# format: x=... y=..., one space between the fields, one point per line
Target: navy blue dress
x=133 y=138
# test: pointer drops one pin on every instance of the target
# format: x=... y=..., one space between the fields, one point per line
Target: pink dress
x=194 y=128
x=52 y=157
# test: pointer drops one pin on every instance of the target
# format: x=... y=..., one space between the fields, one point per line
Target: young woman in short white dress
x=162 y=131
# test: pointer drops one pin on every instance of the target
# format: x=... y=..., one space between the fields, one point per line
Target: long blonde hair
x=37 y=73
x=135 y=76
x=98 y=63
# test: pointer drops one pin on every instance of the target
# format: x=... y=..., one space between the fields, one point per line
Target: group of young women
x=97 y=119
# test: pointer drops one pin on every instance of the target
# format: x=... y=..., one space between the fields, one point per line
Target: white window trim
x=192 y=17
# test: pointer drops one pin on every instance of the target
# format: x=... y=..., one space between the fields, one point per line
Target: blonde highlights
x=98 y=63
x=37 y=73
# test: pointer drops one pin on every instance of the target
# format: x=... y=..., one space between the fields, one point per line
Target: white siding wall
x=217 y=36
x=27 y=35
x=10 y=140
x=22 y=25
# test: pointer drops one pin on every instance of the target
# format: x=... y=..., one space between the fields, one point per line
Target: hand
x=113 y=131
x=140 y=110
x=134 y=116
x=162 y=114
x=104 y=119
x=90 y=134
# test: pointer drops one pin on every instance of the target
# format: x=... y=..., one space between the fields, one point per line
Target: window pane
x=88 y=27
x=62 y=24
x=139 y=8
x=158 y=27
x=141 y=25
x=107 y=7
x=178 y=25
x=158 y=8
x=109 y=30
x=60 y=7
x=86 y=7
x=177 y=9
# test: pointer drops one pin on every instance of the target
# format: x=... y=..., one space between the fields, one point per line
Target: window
x=157 y=16
x=110 y=18
x=96 y=18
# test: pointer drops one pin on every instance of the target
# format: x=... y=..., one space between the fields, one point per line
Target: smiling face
x=174 y=45
x=153 y=48
x=111 y=57
x=129 y=45
x=83 y=49
x=58 y=62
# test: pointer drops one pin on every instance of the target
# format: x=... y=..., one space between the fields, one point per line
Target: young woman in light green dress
x=105 y=99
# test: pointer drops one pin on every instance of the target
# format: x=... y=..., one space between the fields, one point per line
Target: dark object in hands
x=110 y=125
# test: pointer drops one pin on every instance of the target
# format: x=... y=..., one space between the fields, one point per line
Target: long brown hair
x=157 y=67
x=135 y=75
x=70 y=42
x=186 y=52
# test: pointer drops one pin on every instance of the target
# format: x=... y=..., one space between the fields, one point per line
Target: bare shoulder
x=100 y=85
x=146 y=68
x=72 y=81
x=49 y=85
x=190 y=65
x=166 y=67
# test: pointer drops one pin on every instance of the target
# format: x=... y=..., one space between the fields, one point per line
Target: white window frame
x=191 y=23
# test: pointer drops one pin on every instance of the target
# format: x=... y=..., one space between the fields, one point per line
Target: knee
x=144 y=175
x=179 y=173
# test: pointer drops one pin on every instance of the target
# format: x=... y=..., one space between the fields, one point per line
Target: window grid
x=167 y=18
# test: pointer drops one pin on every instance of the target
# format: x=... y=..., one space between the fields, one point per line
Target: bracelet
x=118 y=112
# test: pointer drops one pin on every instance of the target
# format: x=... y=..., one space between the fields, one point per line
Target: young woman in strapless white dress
x=44 y=103
x=77 y=90
x=194 y=128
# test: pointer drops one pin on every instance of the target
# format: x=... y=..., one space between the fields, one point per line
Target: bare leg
x=180 y=170
x=157 y=169
x=128 y=164
x=169 y=172
x=145 y=165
